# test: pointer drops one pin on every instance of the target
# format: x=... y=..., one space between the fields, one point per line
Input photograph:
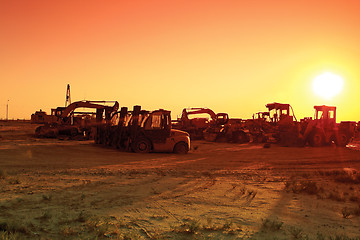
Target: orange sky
x=231 y=56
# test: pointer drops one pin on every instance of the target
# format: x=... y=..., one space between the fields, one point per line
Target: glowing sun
x=327 y=85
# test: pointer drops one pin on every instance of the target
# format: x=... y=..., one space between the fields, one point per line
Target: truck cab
x=143 y=131
x=155 y=134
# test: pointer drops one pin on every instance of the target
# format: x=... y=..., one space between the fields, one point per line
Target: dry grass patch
x=296 y=233
x=3 y=174
x=191 y=226
x=9 y=236
x=272 y=225
x=12 y=227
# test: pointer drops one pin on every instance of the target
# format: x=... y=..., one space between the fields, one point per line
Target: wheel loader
x=323 y=129
x=320 y=131
x=141 y=131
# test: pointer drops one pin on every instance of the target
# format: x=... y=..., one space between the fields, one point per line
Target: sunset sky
x=230 y=56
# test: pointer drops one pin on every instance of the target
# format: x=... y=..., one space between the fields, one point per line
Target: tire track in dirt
x=189 y=187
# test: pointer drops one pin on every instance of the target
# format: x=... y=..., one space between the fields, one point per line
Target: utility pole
x=7 y=110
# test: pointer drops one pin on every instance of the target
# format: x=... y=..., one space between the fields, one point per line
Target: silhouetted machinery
x=144 y=131
x=217 y=128
x=324 y=130
x=66 y=121
x=320 y=131
x=140 y=131
x=196 y=126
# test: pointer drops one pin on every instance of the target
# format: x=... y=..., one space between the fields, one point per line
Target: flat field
x=64 y=189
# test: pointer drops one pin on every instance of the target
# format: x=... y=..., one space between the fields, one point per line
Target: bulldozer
x=64 y=121
x=140 y=131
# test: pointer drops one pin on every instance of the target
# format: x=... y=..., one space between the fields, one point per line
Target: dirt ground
x=61 y=189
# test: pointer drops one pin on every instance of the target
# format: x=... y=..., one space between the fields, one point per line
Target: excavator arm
x=190 y=111
x=86 y=104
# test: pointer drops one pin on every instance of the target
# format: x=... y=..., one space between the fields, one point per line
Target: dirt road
x=56 y=189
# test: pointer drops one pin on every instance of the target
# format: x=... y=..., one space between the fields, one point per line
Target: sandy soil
x=58 y=189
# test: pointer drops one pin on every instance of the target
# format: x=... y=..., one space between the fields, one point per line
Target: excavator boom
x=64 y=112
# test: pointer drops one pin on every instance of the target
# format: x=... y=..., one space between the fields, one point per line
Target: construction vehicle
x=216 y=128
x=141 y=131
x=234 y=131
x=65 y=121
x=280 y=124
x=41 y=117
x=196 y=126
x=320 y=131
x=323 y=129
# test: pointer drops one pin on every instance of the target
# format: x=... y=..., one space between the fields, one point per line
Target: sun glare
x=328 y=85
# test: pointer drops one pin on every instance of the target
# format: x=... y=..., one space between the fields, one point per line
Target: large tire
x=316 y=139
x=181 y=148
x=243 y=137
x=341 y=140
x=141 y=145
x=38 y=131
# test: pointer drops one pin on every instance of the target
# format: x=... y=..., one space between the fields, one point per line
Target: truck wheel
x=341 y=140
x=316 y=139
x=181 y=148
x=141 y=145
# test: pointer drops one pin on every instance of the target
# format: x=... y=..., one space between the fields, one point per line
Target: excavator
x=43 y=118
x=66 y=122
x=217 y=128
x=196 y=126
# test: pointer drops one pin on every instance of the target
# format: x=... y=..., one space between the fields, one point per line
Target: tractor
x=320 y=131
x=323 y=129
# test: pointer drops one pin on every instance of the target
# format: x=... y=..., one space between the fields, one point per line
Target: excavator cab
x=222 y=118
